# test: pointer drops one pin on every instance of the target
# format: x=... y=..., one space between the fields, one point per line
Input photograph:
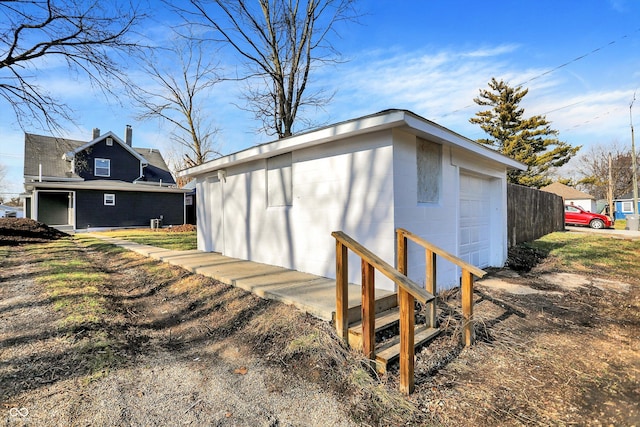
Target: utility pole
x=634 y=163
x=610 y=191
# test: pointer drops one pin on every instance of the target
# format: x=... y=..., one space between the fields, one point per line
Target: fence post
x=342 y=292
x=407 y=341
x=468 y=333
x=368 y=310
x=407 y=322
x=430 y=284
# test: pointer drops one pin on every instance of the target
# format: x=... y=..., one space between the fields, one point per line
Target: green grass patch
x=593 y=254
x=620 y=224
x=71 y=282
x=181 y=241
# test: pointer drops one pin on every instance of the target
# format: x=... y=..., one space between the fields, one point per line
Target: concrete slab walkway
x=315 y=295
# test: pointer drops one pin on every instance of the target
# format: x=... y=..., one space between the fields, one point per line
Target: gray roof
x=628 y=196
x=49 y=152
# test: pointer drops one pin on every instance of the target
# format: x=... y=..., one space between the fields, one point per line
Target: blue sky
x=430 y=57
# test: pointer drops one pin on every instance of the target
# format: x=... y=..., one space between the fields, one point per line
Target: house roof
x=50 y=152
x=387 y=119
x=47 y=151
x=566 y=192
x=628 y=196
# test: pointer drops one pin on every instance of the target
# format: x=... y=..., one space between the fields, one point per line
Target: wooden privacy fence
x=532 y=213
x=408 y=292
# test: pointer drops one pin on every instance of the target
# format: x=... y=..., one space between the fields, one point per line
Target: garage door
x=475 y=221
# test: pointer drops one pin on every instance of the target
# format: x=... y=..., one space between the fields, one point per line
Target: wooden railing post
x=407 y=322
x=407 y=341
x=430 y=286
x=468 y=332
x=368 y=310
x=342 y=292
x=401 y=246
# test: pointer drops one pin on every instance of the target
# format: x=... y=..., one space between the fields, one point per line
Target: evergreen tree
x=528 y=140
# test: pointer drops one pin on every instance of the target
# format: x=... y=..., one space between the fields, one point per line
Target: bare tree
x=593 y=170
x=88 y=36
x=176 y=97
x=280 y=42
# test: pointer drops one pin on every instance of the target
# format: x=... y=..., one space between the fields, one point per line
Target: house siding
x=132 y=209
x=619 y=213
x=124 y=165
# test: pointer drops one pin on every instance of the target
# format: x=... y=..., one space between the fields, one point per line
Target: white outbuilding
x=277 y=203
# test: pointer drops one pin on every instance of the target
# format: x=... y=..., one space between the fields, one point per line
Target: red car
x=574 y=215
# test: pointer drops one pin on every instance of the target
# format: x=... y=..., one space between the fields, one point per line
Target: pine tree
x=528 y=140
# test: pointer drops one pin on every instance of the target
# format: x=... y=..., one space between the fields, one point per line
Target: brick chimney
x=128 y=135
x=96 y=133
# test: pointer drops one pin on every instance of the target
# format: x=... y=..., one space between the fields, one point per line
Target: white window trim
x=626 y=207
x=95 y=167
x=109 y=199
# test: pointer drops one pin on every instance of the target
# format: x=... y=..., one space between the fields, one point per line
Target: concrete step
x=389 y=352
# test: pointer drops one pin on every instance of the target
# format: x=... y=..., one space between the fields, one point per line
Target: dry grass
x=561 y=357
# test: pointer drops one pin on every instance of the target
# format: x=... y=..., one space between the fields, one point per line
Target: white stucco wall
x=364 y=185
x=346 y=185
x=438 y=222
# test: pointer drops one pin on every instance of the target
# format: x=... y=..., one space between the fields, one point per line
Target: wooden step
x=382 y=304
x=389 y=352
x=384 y=320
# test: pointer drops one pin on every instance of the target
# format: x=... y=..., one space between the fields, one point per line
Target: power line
x=576 y=59
x=553 y=70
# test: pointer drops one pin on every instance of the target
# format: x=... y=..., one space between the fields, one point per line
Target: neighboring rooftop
x=566 y=192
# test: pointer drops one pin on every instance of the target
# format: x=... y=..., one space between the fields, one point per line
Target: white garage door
x=475 y=221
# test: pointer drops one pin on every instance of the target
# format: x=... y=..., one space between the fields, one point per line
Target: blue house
x=105 y=182
x=624 y=206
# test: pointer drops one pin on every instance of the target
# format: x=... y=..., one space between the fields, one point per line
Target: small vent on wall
x=109 y=141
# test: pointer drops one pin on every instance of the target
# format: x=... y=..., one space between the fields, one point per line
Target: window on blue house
x=102 y=167
x=627 y=207
x=109 y=199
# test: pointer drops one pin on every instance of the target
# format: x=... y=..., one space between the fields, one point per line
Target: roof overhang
x=104 y=185
x=389 y=119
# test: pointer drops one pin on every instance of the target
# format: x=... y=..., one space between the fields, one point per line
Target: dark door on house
x=53 y=208
x=190 y=208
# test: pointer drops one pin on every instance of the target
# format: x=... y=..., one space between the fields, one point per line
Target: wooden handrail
x=408 y=292
x=466 y=285
x=444 y=254
x=379 y=264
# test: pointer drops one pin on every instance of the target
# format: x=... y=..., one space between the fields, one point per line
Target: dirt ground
x=553 y=348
